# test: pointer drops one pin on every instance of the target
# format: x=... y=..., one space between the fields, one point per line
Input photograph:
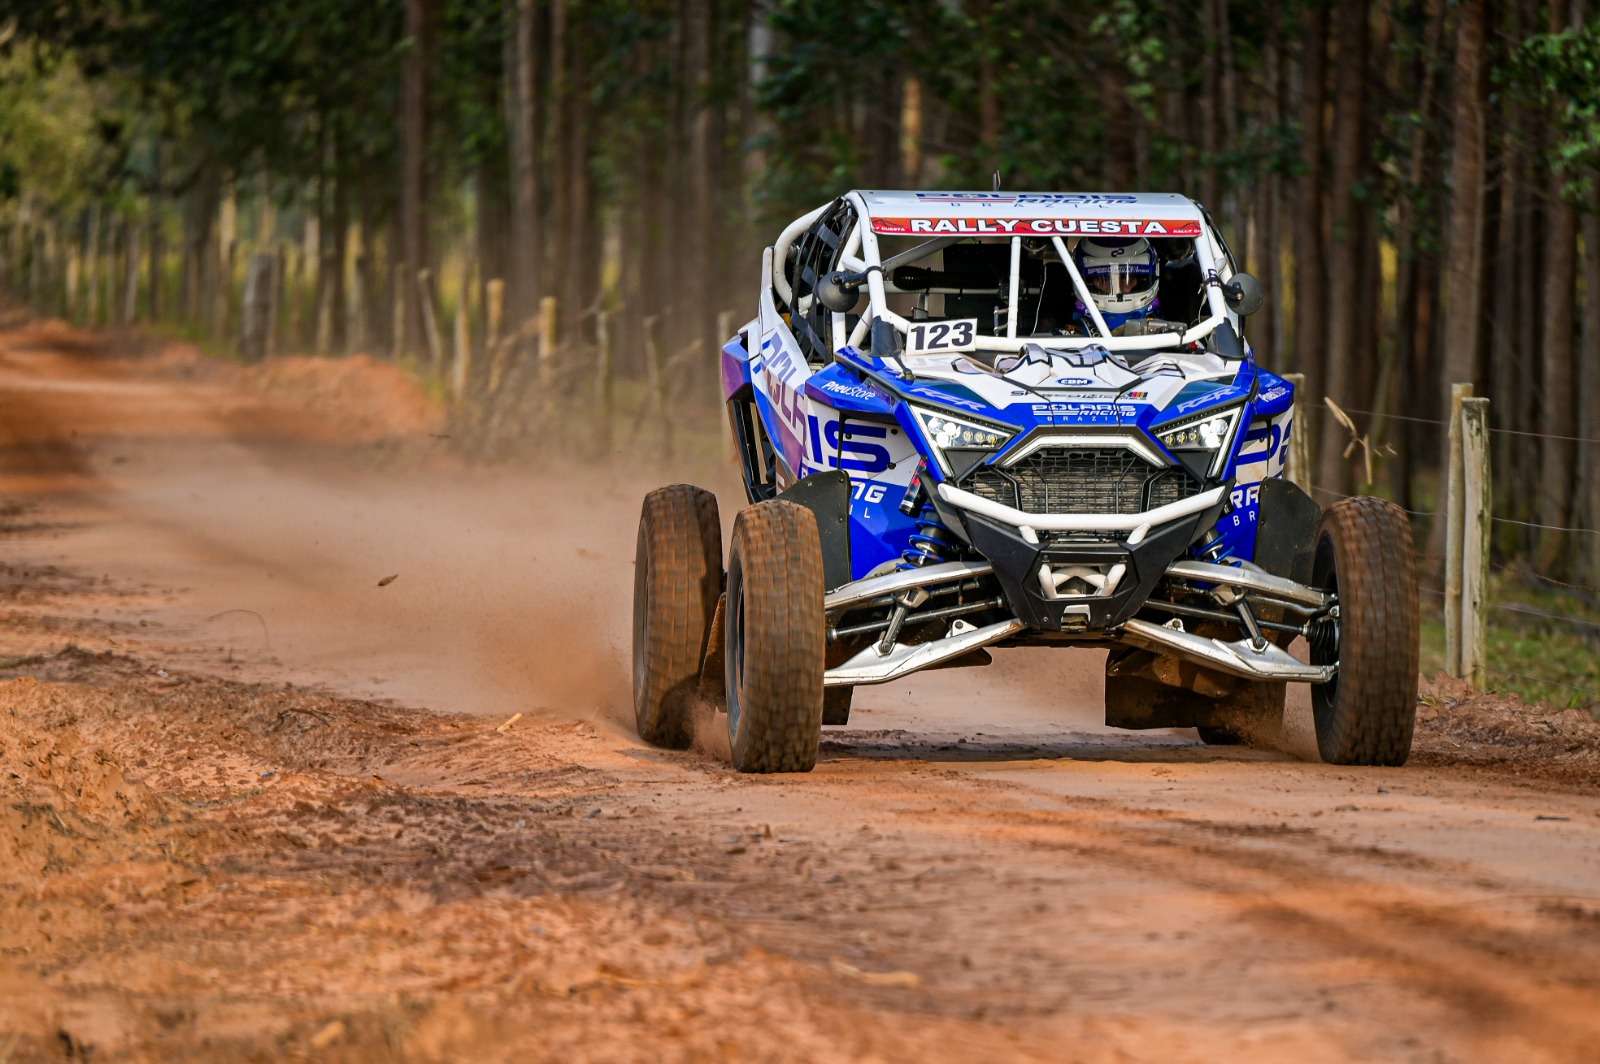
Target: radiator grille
x=1074 y=480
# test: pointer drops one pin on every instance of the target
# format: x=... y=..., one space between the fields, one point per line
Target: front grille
x=1074 y=480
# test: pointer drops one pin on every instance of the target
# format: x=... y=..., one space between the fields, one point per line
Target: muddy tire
x=1364 y=554
x=677 y=579
x=775 y=634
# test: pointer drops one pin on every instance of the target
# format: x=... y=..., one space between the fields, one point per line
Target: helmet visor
x=1120 y=279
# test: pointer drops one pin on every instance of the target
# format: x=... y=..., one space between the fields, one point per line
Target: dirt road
x=258 y=805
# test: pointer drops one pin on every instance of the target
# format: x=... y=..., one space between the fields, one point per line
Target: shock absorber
x=932 y=542
x=1215 y=549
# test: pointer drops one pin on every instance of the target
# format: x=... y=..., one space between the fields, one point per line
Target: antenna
x=997 y=180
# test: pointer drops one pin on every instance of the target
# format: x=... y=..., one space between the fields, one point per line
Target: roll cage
x=841 y=240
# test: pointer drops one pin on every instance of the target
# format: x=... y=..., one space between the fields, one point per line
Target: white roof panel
x=1033 y=213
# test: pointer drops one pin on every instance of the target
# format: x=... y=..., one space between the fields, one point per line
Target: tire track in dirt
x=206 y=868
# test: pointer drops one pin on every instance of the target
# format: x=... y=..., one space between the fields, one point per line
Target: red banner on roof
x=1035 y=226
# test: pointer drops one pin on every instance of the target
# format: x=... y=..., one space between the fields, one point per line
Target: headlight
x=1210 y=432
x=949 y=433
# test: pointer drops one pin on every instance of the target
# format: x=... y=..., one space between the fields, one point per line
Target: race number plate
x=937 y=337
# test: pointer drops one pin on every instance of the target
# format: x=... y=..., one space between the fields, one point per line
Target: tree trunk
x=1210 y=96
x=1400 y=366
x=1265 y=262
x=988 y=92
x=559 y=134
x=1464 y=229
x=493 y=219
x=522 y=293
x=582 y=235
x=1557 y=456
x=1589 y=388
x=414 y=148
x=1310 y=291
x=695 y=314
x=1346 y=350
x=1228 y=99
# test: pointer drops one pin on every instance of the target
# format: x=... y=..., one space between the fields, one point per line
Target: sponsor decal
x=1086 y=409
x=1242 y=497
x=1075 y=382
x=1273 y=394
x=1215 y=396
x=853 y=391
x=1138 y=395
x=1087 y=199
x=998 y=226
x=945 y=397
x=867 y=491
x=851 y=448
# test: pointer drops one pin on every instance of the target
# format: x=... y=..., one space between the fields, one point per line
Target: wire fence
x=1537 y=624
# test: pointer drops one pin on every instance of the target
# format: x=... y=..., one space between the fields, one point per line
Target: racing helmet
x=1122 y=275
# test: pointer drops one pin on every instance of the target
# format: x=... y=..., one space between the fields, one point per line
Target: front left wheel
x=677 y=579
x=1364 y=555
x=775 y=639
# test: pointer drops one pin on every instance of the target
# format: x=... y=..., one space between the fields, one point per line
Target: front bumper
x=1078 y=584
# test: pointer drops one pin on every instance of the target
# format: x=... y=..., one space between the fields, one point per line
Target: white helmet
x=1122 y=275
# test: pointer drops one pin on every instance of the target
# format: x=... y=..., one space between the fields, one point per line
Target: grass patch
x=1544 y=641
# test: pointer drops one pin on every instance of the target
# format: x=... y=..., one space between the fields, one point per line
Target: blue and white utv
x=1016 y=419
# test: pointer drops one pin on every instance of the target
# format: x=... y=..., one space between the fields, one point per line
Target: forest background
x=521 y=199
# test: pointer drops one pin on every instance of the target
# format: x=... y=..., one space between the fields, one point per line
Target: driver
x=1122 y=274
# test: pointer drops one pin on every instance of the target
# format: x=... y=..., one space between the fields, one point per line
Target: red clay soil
x=255 y=806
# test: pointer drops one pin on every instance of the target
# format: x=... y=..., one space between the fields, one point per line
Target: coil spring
x=930 y=543
x=1215 y=550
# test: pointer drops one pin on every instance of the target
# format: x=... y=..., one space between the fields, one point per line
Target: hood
x=1091 y=387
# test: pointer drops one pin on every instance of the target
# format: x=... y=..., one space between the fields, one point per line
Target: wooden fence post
x=430 y=321
x=397 y=349
x=130 y=290
x=221 y=284
x=656 y=376
x=280 y=266
x=655 y=369
x=494 y=312
x=1477 y=526
x=461 y=371
x=91 y=269
x=1298 y=461
x=1454 y=530
x=255 y=311
x=604 y=386
x=724 y=334
x=110 y=275
x=547 y=339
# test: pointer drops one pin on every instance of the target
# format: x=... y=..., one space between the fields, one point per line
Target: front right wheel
x=1365 y=715
x=776 y=639
x=677 y=578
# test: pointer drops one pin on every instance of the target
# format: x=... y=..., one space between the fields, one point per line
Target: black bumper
x=1016 y=564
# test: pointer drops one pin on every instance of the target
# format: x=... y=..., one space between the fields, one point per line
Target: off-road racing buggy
x=947 y=446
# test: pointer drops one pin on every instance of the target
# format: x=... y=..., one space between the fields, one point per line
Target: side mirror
x=832 y=293
x=1243 y=295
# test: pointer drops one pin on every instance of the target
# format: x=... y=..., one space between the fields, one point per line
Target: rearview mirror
x=1243 y=295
